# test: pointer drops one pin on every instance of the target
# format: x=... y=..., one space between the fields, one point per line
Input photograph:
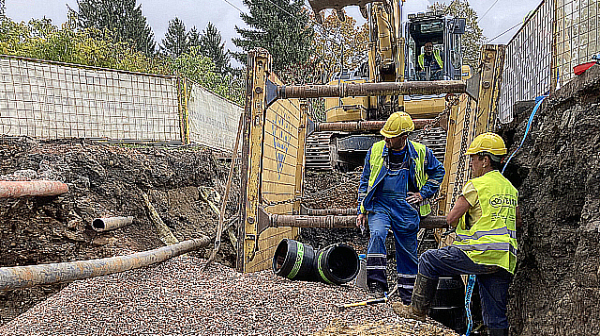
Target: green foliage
x=2 y=8
x=40 y=39
x=175 y=42
x=201 y=70
x=473 y=39
x=121 y=17
x=212 y=47
x=280 y=26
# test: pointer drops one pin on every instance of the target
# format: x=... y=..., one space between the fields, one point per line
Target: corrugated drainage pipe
x=29 y=276
x=12 y=189
x=335 y=264
x=110 y=223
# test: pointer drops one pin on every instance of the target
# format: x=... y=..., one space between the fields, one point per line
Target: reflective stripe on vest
x=436 y=56
x=376 y=163
x=492 y=239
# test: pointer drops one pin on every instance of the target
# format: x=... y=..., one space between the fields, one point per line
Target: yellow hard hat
x=397 y=124
x=487 y=142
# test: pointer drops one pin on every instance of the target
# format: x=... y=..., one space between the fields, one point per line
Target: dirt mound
x=104 y=180
x=556 y=290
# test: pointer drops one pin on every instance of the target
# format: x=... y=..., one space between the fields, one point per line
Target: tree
x=332 y=37
x=473 y=38
x=176 y=41
x=193 y=37
x=212 y=47
x=122 y=17
x=280 y=26
x=2 y=9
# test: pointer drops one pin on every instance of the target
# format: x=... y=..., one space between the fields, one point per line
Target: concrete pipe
x=13 y=189
x=110 y=223
x=29 y=276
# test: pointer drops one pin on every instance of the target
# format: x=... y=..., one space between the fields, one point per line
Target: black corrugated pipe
x=335 y=264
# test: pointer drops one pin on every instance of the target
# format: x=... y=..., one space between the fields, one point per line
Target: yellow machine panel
x=346 y=109
x=424 y=108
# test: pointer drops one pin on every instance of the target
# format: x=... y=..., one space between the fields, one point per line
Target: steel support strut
x=366 y=125
x=371 y=89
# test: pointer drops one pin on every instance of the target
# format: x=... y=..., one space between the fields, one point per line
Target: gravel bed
x=178 y=297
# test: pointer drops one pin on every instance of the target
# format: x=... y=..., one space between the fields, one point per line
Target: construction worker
x=398 y=177
x=432 y=59
x=486 y=216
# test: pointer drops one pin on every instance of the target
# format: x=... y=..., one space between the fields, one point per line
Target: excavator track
x=317 y=151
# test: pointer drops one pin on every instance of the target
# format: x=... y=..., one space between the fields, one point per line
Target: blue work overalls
x=390 y=210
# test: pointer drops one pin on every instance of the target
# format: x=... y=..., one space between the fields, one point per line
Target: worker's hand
x=361 y=220
x=414 y=198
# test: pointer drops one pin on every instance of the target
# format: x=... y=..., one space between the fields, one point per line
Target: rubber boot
x=376 y=289
x=498 y=332
x=422 y=297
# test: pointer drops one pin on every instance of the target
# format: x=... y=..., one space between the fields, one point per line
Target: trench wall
x=556 y=290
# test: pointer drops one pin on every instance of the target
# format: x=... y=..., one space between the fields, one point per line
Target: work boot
x=422 y=297
x=377 y=289
x=498 y=332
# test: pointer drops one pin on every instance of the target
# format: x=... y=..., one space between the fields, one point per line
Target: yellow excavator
x=426 y=47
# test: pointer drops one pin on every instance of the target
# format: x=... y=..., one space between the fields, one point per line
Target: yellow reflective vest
x=492 y=240
x=436 y=56
x=376 y=163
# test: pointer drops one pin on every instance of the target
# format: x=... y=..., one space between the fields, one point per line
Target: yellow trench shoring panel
x=273 y=158
x=468 y=119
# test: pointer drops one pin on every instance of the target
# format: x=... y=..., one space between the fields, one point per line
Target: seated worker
x=432 y=59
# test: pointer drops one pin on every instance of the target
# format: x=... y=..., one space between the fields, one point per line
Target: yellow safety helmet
x=397 y=124
x=487 y=142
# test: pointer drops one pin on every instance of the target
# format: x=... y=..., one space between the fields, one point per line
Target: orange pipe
x=14 y=189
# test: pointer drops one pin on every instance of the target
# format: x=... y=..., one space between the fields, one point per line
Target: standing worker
x=398 y=178
x=486 y=216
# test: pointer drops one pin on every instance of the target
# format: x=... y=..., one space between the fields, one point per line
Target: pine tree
x=280 y=26
x=212 y=47
x=193 y=37
x=175 y=42
x=473 y=38
x=122 y=17
x=2 y=8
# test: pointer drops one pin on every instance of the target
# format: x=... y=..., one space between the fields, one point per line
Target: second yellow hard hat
x=487 y=142
x=397 y=124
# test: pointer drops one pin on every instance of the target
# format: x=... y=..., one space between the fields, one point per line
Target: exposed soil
x=556 y=290
x=104 y=181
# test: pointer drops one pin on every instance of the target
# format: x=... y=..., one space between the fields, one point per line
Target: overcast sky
x=225 y=14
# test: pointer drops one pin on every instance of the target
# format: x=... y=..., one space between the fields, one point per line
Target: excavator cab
x=433 y=47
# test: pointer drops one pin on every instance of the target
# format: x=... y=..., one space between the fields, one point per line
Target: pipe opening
x=98 y=224
x=342 y=263
x=280 y=256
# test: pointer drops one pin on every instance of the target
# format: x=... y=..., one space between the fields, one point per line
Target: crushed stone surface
x=178 y=297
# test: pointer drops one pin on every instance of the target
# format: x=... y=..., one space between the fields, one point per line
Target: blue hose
x=539 y=101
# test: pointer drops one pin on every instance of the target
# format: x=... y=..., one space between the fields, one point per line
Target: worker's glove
x=414 y=198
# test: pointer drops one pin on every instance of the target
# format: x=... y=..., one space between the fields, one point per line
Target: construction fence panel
x=54 y=100
x=559 y=35
x=528 y=60
x=274 y=152
x=577 y=35
x=212 y=120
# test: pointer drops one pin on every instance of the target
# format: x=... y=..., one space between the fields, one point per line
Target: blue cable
x=539 y=101
x=468 y=295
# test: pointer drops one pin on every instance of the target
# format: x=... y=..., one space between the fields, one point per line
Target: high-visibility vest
x=436 y=56
x=492 y=240
x=376 y=163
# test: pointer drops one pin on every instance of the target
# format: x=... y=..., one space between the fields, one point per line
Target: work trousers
x=493 y=281
x=404 y=222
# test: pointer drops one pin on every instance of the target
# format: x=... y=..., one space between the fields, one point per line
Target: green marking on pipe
x=298 y=262
x=321 y=271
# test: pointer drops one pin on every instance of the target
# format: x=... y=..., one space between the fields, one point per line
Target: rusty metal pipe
x=321 y=212
x=331 y=221
x=13 y=189
x=110 y=223
x=28 y=276
x=371 y=89
x=365 y=125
